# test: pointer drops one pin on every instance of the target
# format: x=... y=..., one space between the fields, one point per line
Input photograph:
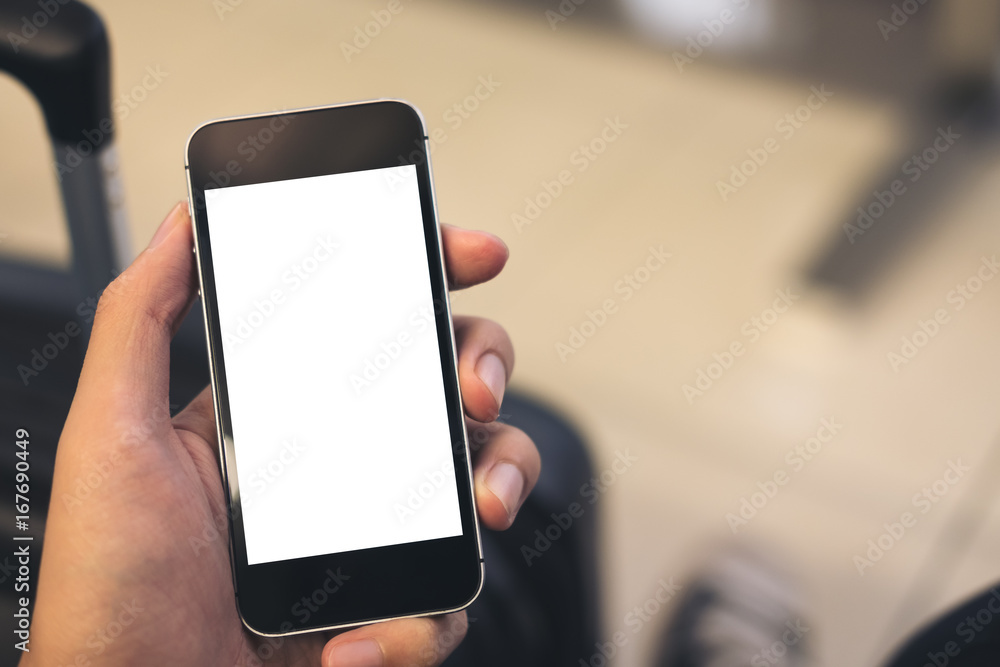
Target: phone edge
x=454 y=353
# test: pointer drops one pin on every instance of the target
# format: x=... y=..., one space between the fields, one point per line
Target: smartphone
x=341 y=431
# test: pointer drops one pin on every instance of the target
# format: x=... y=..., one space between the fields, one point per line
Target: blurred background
x=732 y=223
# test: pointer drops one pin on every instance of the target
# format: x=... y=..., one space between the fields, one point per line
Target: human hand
x=137 y=572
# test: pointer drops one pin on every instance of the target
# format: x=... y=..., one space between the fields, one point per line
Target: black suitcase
x=545 y=614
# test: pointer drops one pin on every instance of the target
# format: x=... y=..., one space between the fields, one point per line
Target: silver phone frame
x=222 y=442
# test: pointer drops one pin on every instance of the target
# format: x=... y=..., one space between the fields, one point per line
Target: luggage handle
x=59 y=50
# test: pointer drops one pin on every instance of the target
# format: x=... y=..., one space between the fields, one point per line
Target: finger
x=505 y=470
x=471 y=257
x=408 y=642
x=485 y=362
x=128 y=359
x=198 y=416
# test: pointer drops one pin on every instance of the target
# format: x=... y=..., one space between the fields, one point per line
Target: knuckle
x=437 y=637
x=122 y=302
x=478 y=333
x=494 y=329
x=518 y=440
x=518 y=446
x=109 y=303
x=443 y=635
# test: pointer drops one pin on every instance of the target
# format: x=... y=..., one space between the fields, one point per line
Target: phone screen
x=339 y=419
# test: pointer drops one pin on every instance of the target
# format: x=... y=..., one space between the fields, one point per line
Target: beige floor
x=655 y=185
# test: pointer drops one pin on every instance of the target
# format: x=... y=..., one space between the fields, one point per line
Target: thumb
x=127 y=366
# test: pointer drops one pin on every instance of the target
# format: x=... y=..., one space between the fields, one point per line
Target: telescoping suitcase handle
x=59 y=50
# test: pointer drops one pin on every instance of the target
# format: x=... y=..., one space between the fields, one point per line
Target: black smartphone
x=341 y=429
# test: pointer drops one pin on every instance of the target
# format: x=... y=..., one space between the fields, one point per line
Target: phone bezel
x=415 y=579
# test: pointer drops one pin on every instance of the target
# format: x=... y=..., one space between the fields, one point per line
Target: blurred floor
x=675 y=135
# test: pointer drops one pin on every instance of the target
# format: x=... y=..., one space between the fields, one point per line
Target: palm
x=156 y=533
x=136 y=564
x=204 y=577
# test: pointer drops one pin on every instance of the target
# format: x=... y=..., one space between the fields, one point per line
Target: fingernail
x=506 y=483
x=168 y=223
x=495 y=238
x=504 y=244
x=491 y=371
x=363 y=653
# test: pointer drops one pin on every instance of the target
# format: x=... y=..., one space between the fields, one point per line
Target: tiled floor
x=653 y=186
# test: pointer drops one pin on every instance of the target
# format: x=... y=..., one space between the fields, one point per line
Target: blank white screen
x=331 y=357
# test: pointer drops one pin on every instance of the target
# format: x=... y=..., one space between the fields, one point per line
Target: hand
x=136 y=568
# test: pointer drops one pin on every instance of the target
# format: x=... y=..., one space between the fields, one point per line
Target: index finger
x=471 y=257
